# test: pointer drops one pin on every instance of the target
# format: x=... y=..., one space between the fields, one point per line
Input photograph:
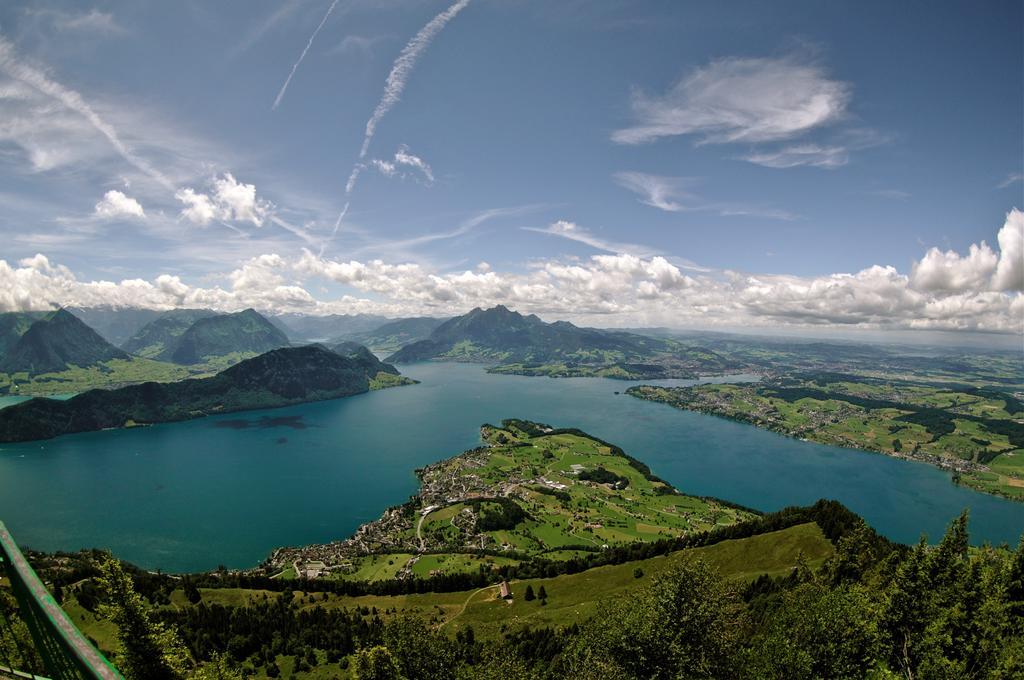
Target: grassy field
x=979 y=433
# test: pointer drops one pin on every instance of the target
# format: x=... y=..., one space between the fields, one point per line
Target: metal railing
x=66 y=653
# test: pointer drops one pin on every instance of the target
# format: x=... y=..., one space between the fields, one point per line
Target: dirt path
x=465 y=604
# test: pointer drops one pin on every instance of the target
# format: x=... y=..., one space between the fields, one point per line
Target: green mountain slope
x=55 y=342
x=277 y=378
x=13 y=325
x=242 y=332
x=159 y=339
x=529 y=346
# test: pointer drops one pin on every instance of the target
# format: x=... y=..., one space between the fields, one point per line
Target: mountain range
x=193 y=336
x=393 y=335
x=527 y=345
x=159 y=338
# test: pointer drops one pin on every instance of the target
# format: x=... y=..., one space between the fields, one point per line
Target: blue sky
x=693 y=164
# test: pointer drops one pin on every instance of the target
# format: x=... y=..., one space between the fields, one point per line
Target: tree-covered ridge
x=245 y=331
x=276 y=378
x=976 y=433
x=526 y=345
x=532 y=492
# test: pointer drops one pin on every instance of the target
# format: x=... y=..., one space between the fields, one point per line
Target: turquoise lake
x=228 y=489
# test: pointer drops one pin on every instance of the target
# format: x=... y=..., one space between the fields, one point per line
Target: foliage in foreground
x=873 y=610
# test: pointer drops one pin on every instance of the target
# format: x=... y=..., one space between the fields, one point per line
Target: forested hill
x=55 y=342
x=277 y=378
x=526 y=344
x=246 y=331
x=159 y=338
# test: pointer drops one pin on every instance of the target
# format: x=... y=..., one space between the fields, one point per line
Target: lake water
x=228 y=489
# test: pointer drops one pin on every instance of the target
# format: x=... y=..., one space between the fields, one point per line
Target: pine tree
x=528 y=596
x=149 y=650
x=542 y=594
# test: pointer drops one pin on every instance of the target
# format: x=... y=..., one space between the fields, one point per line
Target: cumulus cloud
x=228 y=199
x=977 y=291
x=951 y=272
x=981 y=269
x=740 y=100
x=115 y=205
x=1010 y=270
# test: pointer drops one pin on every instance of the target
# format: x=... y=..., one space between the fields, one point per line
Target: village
x=518 y=495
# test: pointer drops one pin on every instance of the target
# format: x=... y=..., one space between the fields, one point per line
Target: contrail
x=295 y=66
x=72 y=100
x=393 y=87
x=403 y=66
x=337 y=225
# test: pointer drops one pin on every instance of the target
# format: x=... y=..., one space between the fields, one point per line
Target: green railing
x=65 y=652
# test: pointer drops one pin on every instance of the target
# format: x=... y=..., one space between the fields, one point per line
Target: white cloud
x=658 y=192
x=403 y=157
x=116 y=205
x=403 y=67
x=950 y=272
x=945 y=291
x=1012 y=178
x=793 y=156
x=239 y=200
x=386 y=168
x=356 y=45
x=665 y=193
x=229 y=200
x=93 y=21
x=740 y=100
x=574 y=232
x=33 y=95
x=1009 y=273
x=981 y=269
x=199 y=208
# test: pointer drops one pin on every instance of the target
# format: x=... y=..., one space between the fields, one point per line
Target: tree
x=638 y=573
x=528 y=595
x=686 y=624
x=418 y=650
x=375 y=663
x=542 y=594
x=219 y=668
x=192 y=592
x=149 y=650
